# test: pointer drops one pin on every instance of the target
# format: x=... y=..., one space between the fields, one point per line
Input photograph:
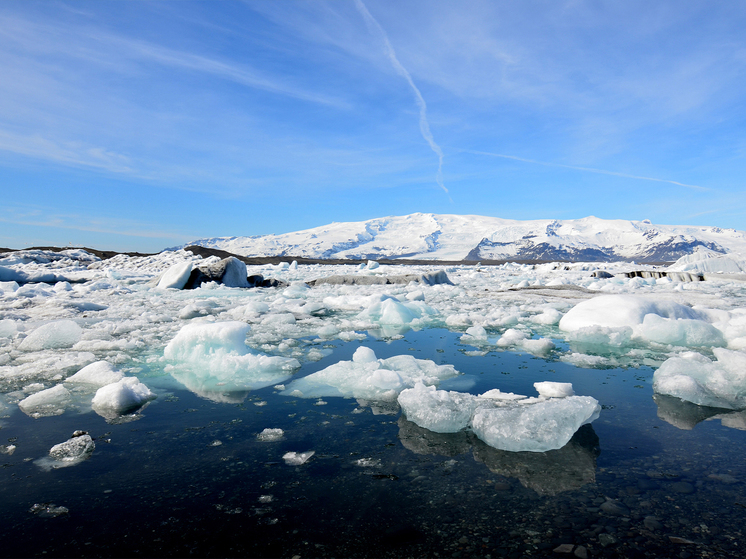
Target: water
x=190 y=478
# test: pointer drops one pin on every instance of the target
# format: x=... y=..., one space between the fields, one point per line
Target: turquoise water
x=189 y=477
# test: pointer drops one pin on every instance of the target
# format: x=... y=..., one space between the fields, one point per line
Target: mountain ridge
x=438 y=237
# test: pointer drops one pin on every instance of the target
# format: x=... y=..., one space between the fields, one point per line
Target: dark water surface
x=190 y=479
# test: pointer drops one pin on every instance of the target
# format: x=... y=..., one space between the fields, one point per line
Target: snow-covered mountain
x=469 y=237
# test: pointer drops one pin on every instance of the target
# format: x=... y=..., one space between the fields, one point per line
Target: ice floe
x=212 y=360
x=369 y=378
x=119 y=398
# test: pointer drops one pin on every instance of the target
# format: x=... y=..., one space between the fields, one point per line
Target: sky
x=136 y=126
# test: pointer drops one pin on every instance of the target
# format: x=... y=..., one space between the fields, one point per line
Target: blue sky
x=143 y=125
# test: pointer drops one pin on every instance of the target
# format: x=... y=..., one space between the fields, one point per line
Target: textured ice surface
x=437 y=410
x=176 y=276
x=99 y=373
x=536 y=426
x=121 y=397
x=297 y=458
x=695 y=378
x=73 y=451
x=369 y=377
x=270 y=435
x=44 y=403
x=55 y=335
x=504 y=421
x=212 y=360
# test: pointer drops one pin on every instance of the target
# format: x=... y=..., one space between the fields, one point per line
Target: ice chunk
x=270 y=435
x=390 y=311
x=297 y=458
x=437 y=410
x=212 y=360
x=549 y=389
x=45 y=403
x=121 y=397
x=534 y=427
x=370 y=378
x=695 y=378
x=176 y=276
x=54 y=335
x=73 y=451
x=99 y=373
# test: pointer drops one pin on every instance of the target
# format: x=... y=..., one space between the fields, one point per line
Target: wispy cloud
x=44 y=217
x=402 y=71
x=589 y=170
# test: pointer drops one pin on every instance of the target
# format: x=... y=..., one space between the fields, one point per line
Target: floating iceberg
x=369 y=378
x=695 y=378
x=212 y=360
x=505 y=421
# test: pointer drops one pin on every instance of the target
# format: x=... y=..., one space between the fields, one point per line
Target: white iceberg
x=176 y=276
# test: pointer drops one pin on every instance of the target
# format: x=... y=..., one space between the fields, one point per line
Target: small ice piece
x=437 y=410
x=270 y=435
x=7 y=449
x=45 y=403
x=121 y=397
x=511 y=337
x=534 y=427
x=475 y=334
x=48 y=510
x=266 y=498
x=297 y=458
x=72 y=451
x=549 y=389
x=99 y=373
x=372 y=265
x=176 y=276
x=368 y=462
x=54 y=335
x=497 y=394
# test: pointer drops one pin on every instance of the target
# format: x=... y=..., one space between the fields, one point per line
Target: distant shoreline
x=205 y=252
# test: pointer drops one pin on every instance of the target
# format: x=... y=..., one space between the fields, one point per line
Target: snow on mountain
x=469 y=237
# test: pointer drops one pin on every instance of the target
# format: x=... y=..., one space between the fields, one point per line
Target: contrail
x=402 y=71
x=589 y=170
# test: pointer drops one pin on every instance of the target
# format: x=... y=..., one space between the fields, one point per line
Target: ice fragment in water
x=270 y=435
x=54 y=335
x=695 y=378
x=212 y=360
x=297 y=458
x=121 y=397
x=437 y=410
x=45 y=403
x=534 y=427
x=48 y=510
x=554 y=389
x=73 y=451
x=369 y=378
